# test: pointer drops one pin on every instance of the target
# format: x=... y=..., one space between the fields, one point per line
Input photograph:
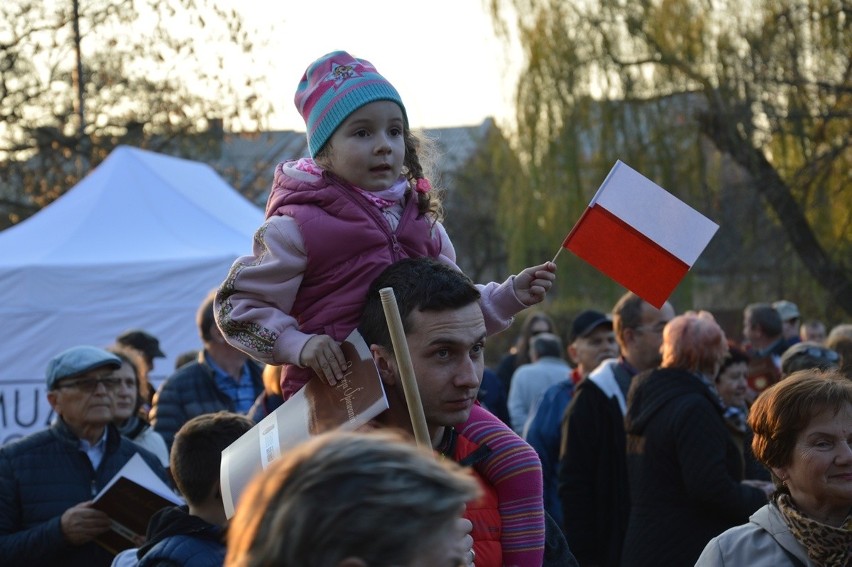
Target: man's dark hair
x=197 y=451
x=418 y=283
x=764 y=317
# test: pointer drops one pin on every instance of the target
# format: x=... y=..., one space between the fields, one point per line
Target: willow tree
x=691 y=92
x=78 y=77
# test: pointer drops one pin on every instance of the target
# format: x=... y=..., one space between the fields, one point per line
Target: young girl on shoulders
x=334 y=222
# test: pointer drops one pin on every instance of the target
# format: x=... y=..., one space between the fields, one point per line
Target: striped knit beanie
x=335 y=86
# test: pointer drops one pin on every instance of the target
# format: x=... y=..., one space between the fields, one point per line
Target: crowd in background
x=646 y=441
x=643 y=420
x=636 y=437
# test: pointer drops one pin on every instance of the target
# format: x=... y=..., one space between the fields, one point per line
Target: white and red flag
x=640 y=235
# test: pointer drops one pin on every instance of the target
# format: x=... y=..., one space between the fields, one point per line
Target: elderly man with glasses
x=48 y=479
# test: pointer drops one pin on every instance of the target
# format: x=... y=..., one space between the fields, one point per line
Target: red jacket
x=483 y=513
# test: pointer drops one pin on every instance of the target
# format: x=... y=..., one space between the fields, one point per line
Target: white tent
x=138 y=243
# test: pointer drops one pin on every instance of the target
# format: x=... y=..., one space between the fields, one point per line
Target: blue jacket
x=177 y=538
x=492 y=396
x=189 y=392
x=545 y=436
x=41 y=476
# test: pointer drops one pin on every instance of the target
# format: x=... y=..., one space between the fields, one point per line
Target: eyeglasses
x=89 y=385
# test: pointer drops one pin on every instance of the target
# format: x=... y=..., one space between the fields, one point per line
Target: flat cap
x=78 y=360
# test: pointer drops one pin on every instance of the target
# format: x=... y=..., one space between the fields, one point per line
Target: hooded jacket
x=349 y=242
x=313 y=261
x=684 y=470
x=175 y=537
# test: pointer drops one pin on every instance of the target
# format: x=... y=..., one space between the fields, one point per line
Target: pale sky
x=441 y=55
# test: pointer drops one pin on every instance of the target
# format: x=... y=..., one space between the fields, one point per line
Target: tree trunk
x=829 y=274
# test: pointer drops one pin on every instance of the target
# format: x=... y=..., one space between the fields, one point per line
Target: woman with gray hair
x=354 y=500
x=685 y=472
x=803 y=434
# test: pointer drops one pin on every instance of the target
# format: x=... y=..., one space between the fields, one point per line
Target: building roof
x=247 y=160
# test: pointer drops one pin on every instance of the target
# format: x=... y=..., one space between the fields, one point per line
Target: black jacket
x=592 y=475
x=684 y=470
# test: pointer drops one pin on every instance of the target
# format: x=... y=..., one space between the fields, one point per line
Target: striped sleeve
x=514 y=469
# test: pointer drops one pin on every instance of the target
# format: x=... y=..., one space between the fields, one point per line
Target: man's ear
x=627 y=336
x=216 y=335
x=386 y=363
x=52 y=398
x=571 y=351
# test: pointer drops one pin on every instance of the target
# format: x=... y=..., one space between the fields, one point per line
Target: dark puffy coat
x=684 y=470
x=41 y=476
x=177 y=538
x=190 y=392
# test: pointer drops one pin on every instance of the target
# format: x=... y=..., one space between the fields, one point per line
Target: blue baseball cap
x=78 y=360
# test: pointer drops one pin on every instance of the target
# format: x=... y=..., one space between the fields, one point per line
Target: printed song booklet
x=314 y=409
x=130 y=498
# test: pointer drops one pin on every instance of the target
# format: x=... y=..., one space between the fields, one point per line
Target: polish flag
x=640 y=235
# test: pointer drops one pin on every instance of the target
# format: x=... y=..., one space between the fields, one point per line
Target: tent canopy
x=138 y=243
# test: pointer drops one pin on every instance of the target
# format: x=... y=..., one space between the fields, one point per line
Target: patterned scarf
x=827 y=546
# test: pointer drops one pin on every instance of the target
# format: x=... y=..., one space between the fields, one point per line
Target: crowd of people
x=639 y=437
x=648 y=446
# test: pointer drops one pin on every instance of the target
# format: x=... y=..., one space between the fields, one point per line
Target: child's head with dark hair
x=197 y=452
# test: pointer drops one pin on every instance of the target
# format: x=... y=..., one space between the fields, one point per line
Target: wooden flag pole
x=558 y=252
x=406 y=369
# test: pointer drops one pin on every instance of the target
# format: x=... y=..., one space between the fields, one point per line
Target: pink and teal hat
x=333 y=87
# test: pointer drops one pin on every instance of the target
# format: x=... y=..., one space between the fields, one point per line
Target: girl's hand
x=532 y=284
x=324 y=356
